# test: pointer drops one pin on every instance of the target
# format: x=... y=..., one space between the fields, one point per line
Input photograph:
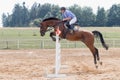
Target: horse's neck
x=63 y=29
x=52 y=23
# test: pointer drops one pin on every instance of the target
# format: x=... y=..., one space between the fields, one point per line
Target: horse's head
x=43 y=28
x=49 y=22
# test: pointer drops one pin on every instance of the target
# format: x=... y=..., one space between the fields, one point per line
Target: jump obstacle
x=57 y=58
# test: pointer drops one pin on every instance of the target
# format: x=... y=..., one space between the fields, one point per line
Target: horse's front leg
x=52 y=34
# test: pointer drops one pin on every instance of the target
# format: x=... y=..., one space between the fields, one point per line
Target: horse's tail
x=98 y=34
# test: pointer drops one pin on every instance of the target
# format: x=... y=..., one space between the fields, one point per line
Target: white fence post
x=57 y=59
x=113 y=43
x=18 y=44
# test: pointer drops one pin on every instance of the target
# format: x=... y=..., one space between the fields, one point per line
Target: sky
x=6 y=6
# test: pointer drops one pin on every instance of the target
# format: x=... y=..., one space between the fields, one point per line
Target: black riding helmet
x=63 y=8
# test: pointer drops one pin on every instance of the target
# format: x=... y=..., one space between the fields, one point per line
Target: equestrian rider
x=69 y=17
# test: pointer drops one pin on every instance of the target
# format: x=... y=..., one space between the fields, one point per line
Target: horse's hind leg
x=96 y=57
x=89 y=41
x=97 y=54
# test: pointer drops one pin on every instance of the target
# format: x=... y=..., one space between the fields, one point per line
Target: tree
x=34 y=11
x=17 y=16
x=78 y=12
x=4 y=20
x=54 y=10
x=114 y=16
x=101 y=18
x=20 y=16
x=88 y=18
x=25 y=15
x=45 y=8
x=49 y=14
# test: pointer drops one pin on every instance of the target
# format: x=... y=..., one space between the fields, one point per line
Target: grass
x=108 y=32
x=29 y=38
x=19 y=33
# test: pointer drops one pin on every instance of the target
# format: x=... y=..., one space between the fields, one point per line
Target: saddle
x=75 y=25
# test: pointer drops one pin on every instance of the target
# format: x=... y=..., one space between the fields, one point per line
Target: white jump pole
x=57 y=58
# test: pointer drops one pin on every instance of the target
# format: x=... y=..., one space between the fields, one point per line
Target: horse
x=84 y=36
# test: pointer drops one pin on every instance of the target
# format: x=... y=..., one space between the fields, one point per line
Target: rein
x=56 y=25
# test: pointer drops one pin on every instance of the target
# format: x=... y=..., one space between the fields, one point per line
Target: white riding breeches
x=72 y=21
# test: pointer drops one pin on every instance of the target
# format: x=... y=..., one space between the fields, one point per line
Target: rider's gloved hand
x=64 y=20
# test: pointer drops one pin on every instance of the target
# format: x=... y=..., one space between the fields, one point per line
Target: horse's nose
x=42 y=33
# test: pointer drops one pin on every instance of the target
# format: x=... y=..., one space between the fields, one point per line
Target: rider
x=69 y=17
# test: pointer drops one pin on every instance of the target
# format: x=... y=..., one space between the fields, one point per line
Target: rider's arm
x=66 y=19
x=68 y=16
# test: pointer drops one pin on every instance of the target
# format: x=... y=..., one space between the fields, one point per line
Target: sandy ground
x=32 y=64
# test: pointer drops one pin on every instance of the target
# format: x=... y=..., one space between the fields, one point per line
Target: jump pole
x=57 y=58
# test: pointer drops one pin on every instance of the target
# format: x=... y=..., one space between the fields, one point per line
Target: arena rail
x=46 y=44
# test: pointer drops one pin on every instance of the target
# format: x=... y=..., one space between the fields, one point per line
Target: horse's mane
x=50 y=18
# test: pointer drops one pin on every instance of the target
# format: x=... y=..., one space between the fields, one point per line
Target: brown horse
x=78 y=35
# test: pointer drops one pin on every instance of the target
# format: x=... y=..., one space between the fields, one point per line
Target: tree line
x=22 y=16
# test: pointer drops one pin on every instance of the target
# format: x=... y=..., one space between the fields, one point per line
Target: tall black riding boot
x=71 y=27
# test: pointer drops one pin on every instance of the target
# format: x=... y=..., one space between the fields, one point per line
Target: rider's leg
x=72 y=21
x=71 y=26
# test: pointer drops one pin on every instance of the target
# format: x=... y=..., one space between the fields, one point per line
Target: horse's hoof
x=96 y=66
x=101 y=63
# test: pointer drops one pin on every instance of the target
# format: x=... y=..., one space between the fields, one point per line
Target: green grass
x=19 y=33
x=108 y=32
x=30 y=38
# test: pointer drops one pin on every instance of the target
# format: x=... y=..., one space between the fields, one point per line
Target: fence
x=49 y=44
